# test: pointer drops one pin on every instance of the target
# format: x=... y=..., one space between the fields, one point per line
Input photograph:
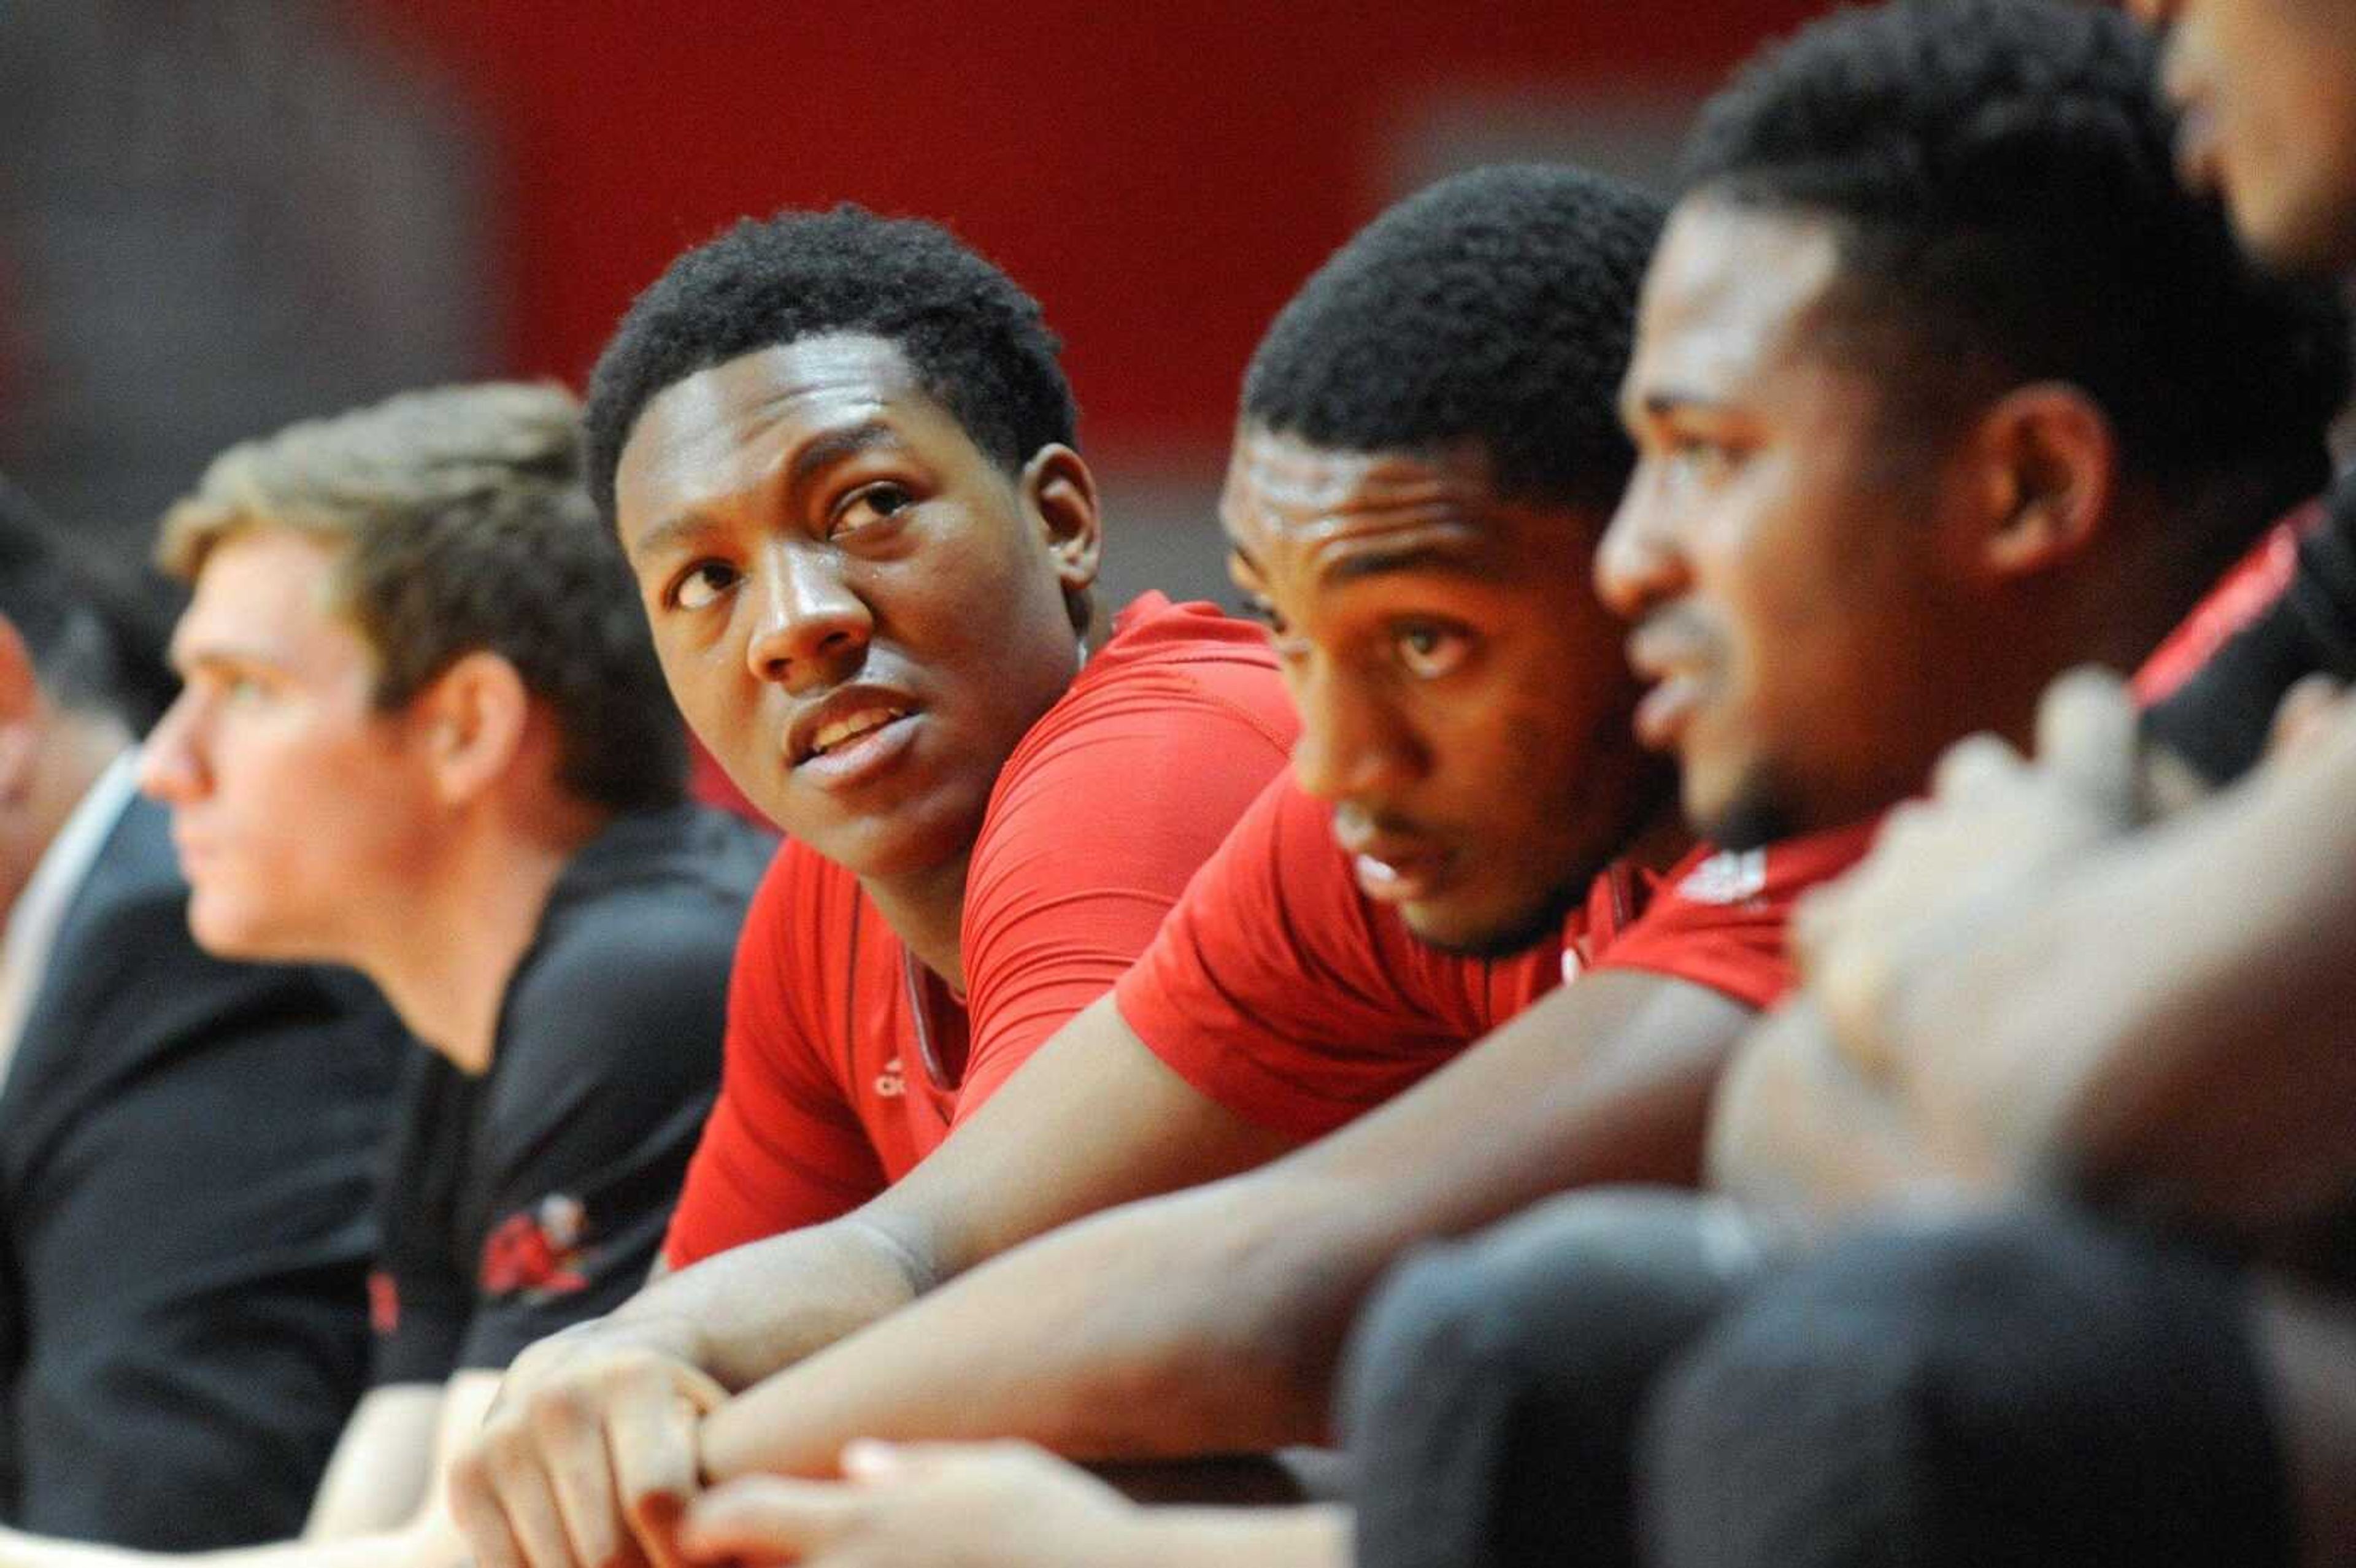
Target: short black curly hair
x=1497 y=306
x=977 y=342
x=2002 y=176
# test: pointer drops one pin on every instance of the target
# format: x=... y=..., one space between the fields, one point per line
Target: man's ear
x=2048 y=465
x=1059 y=489
x=22 y=711
x=474 y=716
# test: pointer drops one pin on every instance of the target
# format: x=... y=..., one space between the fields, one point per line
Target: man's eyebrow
x=661 y=537
x=814 y=457
x=1455 y=559
x=1669 y=400
x=828 y=447
x=217 y=656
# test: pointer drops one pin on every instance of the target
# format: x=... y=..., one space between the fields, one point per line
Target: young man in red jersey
x=1414 y=495
x=837 y=449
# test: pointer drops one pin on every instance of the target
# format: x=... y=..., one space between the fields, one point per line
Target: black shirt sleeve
x=608 y=1069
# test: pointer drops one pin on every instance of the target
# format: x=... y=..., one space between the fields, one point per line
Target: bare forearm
x=1132 y=1335
x=1211 y=1321
x=742 y=1315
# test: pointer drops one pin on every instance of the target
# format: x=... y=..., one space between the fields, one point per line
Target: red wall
x=1161 y=176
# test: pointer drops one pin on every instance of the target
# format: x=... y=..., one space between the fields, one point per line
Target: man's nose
x=811 y=620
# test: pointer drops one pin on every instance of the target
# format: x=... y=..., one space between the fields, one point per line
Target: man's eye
x=1427 y=651
x=870 y=504
x=1693 y=459
x=701 y=584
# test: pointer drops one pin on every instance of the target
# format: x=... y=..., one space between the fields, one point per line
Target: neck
x=1661 y=839
x=446 y=957
x=925 y=911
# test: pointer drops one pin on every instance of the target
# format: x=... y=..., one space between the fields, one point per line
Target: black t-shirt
x=534 y=1196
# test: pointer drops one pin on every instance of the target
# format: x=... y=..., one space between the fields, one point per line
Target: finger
x=2171 y=785
x=571 y=1445
x=474 y=1510
x=1847 y=1000
x=764 y=1518
x=872 y=1459
x=652 y=1439
x=2088 y=736
x=1817 y=922
x=1974 y=764
x=1825 y=915
x=2305 y=714
x=530 y=1508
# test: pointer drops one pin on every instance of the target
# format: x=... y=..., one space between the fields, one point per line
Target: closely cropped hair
x=96 y=642
x=1498 y=306
x=464 y=527
x=2003 y=177
x=977 y=342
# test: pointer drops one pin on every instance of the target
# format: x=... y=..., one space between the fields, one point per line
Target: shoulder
x=664 y=887
x=1171 y=730
x=1714 y=886
x=1718 y=918
x=1278 y=884
x=636 y=950
x=1175 y=671
x=804 y=911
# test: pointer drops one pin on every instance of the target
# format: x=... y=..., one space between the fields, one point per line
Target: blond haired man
x=423 y=733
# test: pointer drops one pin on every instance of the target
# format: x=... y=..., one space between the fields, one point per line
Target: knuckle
x=469 y=1476
x=559 y=1410
x=509 y=1447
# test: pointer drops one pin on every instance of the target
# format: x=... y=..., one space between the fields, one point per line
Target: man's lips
x=1670 y=659
x=1665 y=710
x=1394 y=868
x=843 y=721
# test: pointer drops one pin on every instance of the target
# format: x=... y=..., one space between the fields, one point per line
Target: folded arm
x=1211 y=1320
x=2159 y=1015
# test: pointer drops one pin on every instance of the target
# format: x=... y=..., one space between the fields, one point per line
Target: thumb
x=2086 y=735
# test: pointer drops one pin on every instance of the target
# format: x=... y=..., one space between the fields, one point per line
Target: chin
x=1753 y=814
x=1473 y=934
x=222 y=933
